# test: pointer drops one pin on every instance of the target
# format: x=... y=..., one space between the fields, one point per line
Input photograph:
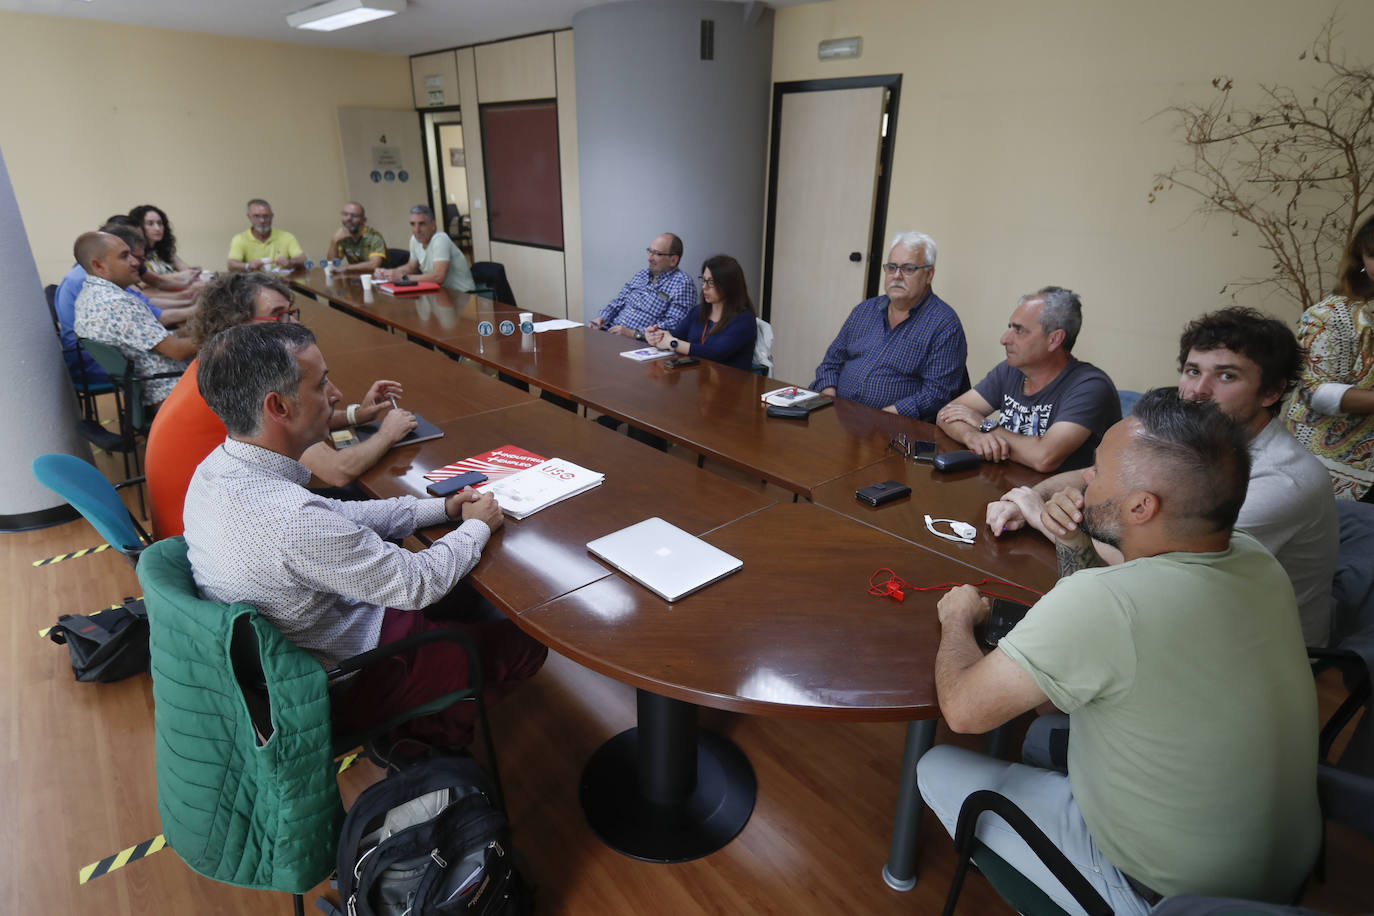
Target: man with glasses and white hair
x=1054 y=408
x=903 y=352
x=433 y=256
x=660 y=294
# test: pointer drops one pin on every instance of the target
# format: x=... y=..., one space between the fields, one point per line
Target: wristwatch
x=673 y=344
x=639 y=335
x=987 y=425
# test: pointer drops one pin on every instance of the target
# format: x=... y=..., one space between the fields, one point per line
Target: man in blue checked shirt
x=659 y=294
x=903 y=352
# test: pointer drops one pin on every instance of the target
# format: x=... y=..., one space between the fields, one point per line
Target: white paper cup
x=367 y=283
x=525 y=316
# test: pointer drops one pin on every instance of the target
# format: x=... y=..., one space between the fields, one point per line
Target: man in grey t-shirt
x=1054 y=408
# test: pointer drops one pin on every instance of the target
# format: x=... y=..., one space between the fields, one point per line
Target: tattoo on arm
x=1073 y=558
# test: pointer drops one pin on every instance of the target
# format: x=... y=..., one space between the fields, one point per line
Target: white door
x=827 y=180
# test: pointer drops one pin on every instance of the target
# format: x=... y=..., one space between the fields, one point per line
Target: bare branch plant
x=1297 y=167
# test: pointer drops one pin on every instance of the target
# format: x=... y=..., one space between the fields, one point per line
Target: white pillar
x=38 y=412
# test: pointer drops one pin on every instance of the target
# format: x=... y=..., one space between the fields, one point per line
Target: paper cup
x=367 y=283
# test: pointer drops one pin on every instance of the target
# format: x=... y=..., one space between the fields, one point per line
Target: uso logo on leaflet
x=560 y=473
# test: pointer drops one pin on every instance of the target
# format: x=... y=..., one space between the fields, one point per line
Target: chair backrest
x=117 y=367
x=1128 y=399
x=50 y=293
x=94 y=497
x=396 y=257
x=763 y=347
x=236 y=808
x=493 y=276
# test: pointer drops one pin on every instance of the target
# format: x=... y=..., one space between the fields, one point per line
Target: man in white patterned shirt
x=321 y=569
x=106 y=313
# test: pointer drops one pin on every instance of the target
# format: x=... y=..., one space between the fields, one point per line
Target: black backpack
x=430 y=840
x=108 y=645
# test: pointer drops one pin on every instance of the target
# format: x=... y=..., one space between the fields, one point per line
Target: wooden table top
x=338 y=332
x=794 y=633
x=538 y=558
x=1024 y=557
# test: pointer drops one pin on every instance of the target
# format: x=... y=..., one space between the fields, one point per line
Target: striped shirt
x=645 y=300
x=916 y=367
x=318 y=568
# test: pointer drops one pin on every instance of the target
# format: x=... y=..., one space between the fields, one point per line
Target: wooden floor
x=78 y=767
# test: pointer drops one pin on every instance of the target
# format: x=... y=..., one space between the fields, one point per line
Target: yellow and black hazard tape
x=71 y=556
x=46 y=630
x=148 y=847
x=121 y=858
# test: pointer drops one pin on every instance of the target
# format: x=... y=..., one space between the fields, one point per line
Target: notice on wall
x=434 y=89
x=456 y=158
x=386 y=157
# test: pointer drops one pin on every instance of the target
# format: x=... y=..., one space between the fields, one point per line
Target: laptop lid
x=664 y=559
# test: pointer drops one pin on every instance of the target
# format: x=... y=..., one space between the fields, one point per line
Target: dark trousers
x=399 y=683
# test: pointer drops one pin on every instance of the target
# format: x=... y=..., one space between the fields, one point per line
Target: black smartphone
x=923 y=450
x=455 y=483
x=1003 y=615
x=879 y=493
x=403 y=282
x=789 y=413
x=677 y=362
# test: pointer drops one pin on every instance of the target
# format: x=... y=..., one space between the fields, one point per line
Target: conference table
x=795 y=633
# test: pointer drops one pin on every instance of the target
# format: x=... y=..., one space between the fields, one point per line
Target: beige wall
x=96 y=118
x=1026 y=146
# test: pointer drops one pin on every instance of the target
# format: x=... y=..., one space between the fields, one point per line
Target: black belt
x=1149 y=896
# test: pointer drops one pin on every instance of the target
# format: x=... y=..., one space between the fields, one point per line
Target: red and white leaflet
x=497 y=463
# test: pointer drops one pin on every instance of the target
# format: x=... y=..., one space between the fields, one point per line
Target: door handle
x=855 y=257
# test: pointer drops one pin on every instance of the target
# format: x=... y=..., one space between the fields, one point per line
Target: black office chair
x=453 y=222
x=491 y=281
x=396 y=257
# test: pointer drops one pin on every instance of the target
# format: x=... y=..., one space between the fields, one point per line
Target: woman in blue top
x=723 y=327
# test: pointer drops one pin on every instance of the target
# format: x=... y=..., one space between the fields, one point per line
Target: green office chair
x=1024 y=896
x=134 y=415
x=247 y=787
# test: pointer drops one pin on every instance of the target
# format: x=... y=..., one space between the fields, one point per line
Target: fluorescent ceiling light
x=340 y=14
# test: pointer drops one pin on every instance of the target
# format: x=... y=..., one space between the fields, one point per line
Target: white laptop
x=664 y=559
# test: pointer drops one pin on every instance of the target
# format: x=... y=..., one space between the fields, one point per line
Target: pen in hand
x=392 y=398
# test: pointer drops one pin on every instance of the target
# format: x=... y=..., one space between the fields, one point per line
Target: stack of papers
x=792 y=396
x=526 y=492
x=497 y=463
x=555 y=324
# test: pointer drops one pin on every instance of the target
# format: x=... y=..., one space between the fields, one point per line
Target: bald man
x=361 y=247
x=105 y=312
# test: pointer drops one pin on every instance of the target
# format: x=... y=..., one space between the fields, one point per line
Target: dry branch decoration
x=1297 y=166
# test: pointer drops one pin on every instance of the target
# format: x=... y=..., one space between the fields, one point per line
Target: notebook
x=664 y=559
x=423 y=431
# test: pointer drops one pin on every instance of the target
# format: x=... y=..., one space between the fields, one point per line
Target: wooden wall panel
x=443 y=65
x=512 y=71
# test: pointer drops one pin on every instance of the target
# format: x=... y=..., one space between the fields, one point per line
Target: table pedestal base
x=665 y=792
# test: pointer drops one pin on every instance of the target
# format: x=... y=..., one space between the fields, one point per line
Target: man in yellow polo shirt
x=261 y=247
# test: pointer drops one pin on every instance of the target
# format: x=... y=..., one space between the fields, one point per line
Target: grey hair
x=915 y=240
x=241 y=365
x=1062 y=311
x=230 y=299
x=423 y=210
x=259 y=201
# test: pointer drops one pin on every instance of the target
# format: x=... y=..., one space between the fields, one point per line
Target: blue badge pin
x=484 y=328
x=403 y=175
x=527 y=327
x=376 y=177
x=507 y=327
x=389 y=175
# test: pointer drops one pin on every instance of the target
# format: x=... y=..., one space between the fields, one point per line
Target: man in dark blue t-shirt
x=1054 y=408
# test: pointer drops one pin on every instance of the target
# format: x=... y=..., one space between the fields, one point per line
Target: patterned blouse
x=1338 y=337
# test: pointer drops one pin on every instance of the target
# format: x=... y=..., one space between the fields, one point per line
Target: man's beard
x=1099 y=522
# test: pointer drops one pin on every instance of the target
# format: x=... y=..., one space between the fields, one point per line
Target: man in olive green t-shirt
x=1192 y=751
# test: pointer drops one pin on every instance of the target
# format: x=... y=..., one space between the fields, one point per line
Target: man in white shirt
x=322 y=570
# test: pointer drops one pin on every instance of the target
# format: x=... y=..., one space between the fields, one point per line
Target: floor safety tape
x=71 y=556
x=148 y=847
x=121 y=858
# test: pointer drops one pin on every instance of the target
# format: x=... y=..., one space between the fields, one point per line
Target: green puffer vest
x=266 y=816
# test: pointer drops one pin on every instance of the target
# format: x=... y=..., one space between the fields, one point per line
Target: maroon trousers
x=398 y=683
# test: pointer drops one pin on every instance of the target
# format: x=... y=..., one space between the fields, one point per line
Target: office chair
x=86 y=387
x=396 y=257
x=88 y=492
x=134 y=416
x=247 y=790
x=491 y=281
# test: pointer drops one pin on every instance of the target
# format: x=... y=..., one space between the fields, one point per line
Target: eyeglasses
x=290 y=316
x=658 y=254
x=706 y=282
x=905 y=270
